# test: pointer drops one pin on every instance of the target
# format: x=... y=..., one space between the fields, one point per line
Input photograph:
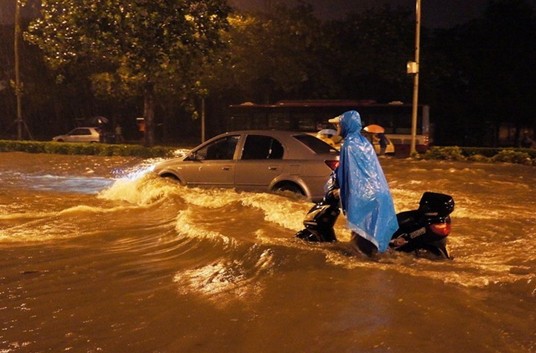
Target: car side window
x=262 y=147
x=80 y=132
x=222 y=149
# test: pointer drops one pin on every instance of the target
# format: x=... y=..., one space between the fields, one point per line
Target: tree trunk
x=148 y=115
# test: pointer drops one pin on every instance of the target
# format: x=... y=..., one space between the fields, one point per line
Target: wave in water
x=245 y=235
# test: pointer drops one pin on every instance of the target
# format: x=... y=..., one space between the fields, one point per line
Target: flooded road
x=98 y=255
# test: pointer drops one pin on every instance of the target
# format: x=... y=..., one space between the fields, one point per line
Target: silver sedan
x=257 y=160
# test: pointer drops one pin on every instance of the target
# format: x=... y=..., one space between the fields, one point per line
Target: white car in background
x=80 y=134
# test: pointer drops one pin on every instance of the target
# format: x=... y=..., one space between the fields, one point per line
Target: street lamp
x=203 y=92
x=18 y=87
x=18 y=84
x=413 y=68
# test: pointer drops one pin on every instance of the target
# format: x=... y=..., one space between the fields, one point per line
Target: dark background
x=476 y=74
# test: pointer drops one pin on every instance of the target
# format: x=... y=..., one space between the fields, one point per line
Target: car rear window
x=315 y=144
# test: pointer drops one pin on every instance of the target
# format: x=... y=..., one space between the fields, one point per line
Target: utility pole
x=18 y=83
x=18 y=88
x=413 y=68
x=203 y=119
x=203 y=93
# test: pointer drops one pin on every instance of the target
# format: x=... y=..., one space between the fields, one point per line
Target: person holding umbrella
x=383 y=143
x=363 y=190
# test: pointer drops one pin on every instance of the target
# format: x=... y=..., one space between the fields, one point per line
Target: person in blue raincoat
x=364 y=193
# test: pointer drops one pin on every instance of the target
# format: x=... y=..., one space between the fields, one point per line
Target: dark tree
x=489 y=75
x=140 y=47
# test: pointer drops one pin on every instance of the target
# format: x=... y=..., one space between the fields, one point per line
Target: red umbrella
x=374 y=129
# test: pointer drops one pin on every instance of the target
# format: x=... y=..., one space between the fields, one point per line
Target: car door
x=79 y=135
x=260 y=162
x=213 y=165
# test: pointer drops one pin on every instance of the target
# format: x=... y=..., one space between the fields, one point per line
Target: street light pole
x=18 y=88
x=416 y=77
x=203 y=121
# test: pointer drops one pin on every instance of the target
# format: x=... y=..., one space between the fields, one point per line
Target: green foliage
x=105 y=51
x=148 y=38
x=474 y=96
x=478 y=158
x=473 y=154
x=269 y=55
x=97 y=149
x=288 y=53
x=512 y=156
x=370 y=51
x=480 y=151
x=453 y=153
x=133 y=47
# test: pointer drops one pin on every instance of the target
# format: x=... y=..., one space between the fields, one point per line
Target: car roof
x=265 y=131
x=275 y=133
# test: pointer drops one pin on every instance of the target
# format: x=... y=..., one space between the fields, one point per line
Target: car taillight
x=332 y=164
x=442 y=229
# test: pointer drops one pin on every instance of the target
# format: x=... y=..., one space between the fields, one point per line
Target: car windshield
x=315 y=144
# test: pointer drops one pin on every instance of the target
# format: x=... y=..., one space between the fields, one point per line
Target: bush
x=478 y=158
x=512 y=156
x=481 y=151
x=453 y=153
x=524 y=156
x=98 y=149
x=481 y=154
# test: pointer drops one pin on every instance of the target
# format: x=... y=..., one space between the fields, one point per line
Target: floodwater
x=98 y=255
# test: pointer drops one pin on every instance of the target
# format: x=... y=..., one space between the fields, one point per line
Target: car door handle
x=226 y=168
x=273 y=168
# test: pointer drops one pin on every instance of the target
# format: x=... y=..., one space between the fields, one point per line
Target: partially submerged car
x=79 y=134
x=257 y=160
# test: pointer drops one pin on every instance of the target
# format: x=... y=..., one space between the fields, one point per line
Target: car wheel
x=289 y=187
x=171 y=178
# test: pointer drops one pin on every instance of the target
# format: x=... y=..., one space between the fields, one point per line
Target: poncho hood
x=350 y=123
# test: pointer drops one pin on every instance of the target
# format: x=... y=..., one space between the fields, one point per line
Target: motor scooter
x=423 y=231
x=321 y=218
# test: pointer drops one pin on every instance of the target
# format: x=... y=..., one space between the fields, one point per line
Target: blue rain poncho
x=365 y=196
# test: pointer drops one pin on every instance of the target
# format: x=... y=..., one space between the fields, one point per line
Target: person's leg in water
x=364 y=245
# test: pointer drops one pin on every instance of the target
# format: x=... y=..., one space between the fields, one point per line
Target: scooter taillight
x=442 y=229
x=333 y=164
